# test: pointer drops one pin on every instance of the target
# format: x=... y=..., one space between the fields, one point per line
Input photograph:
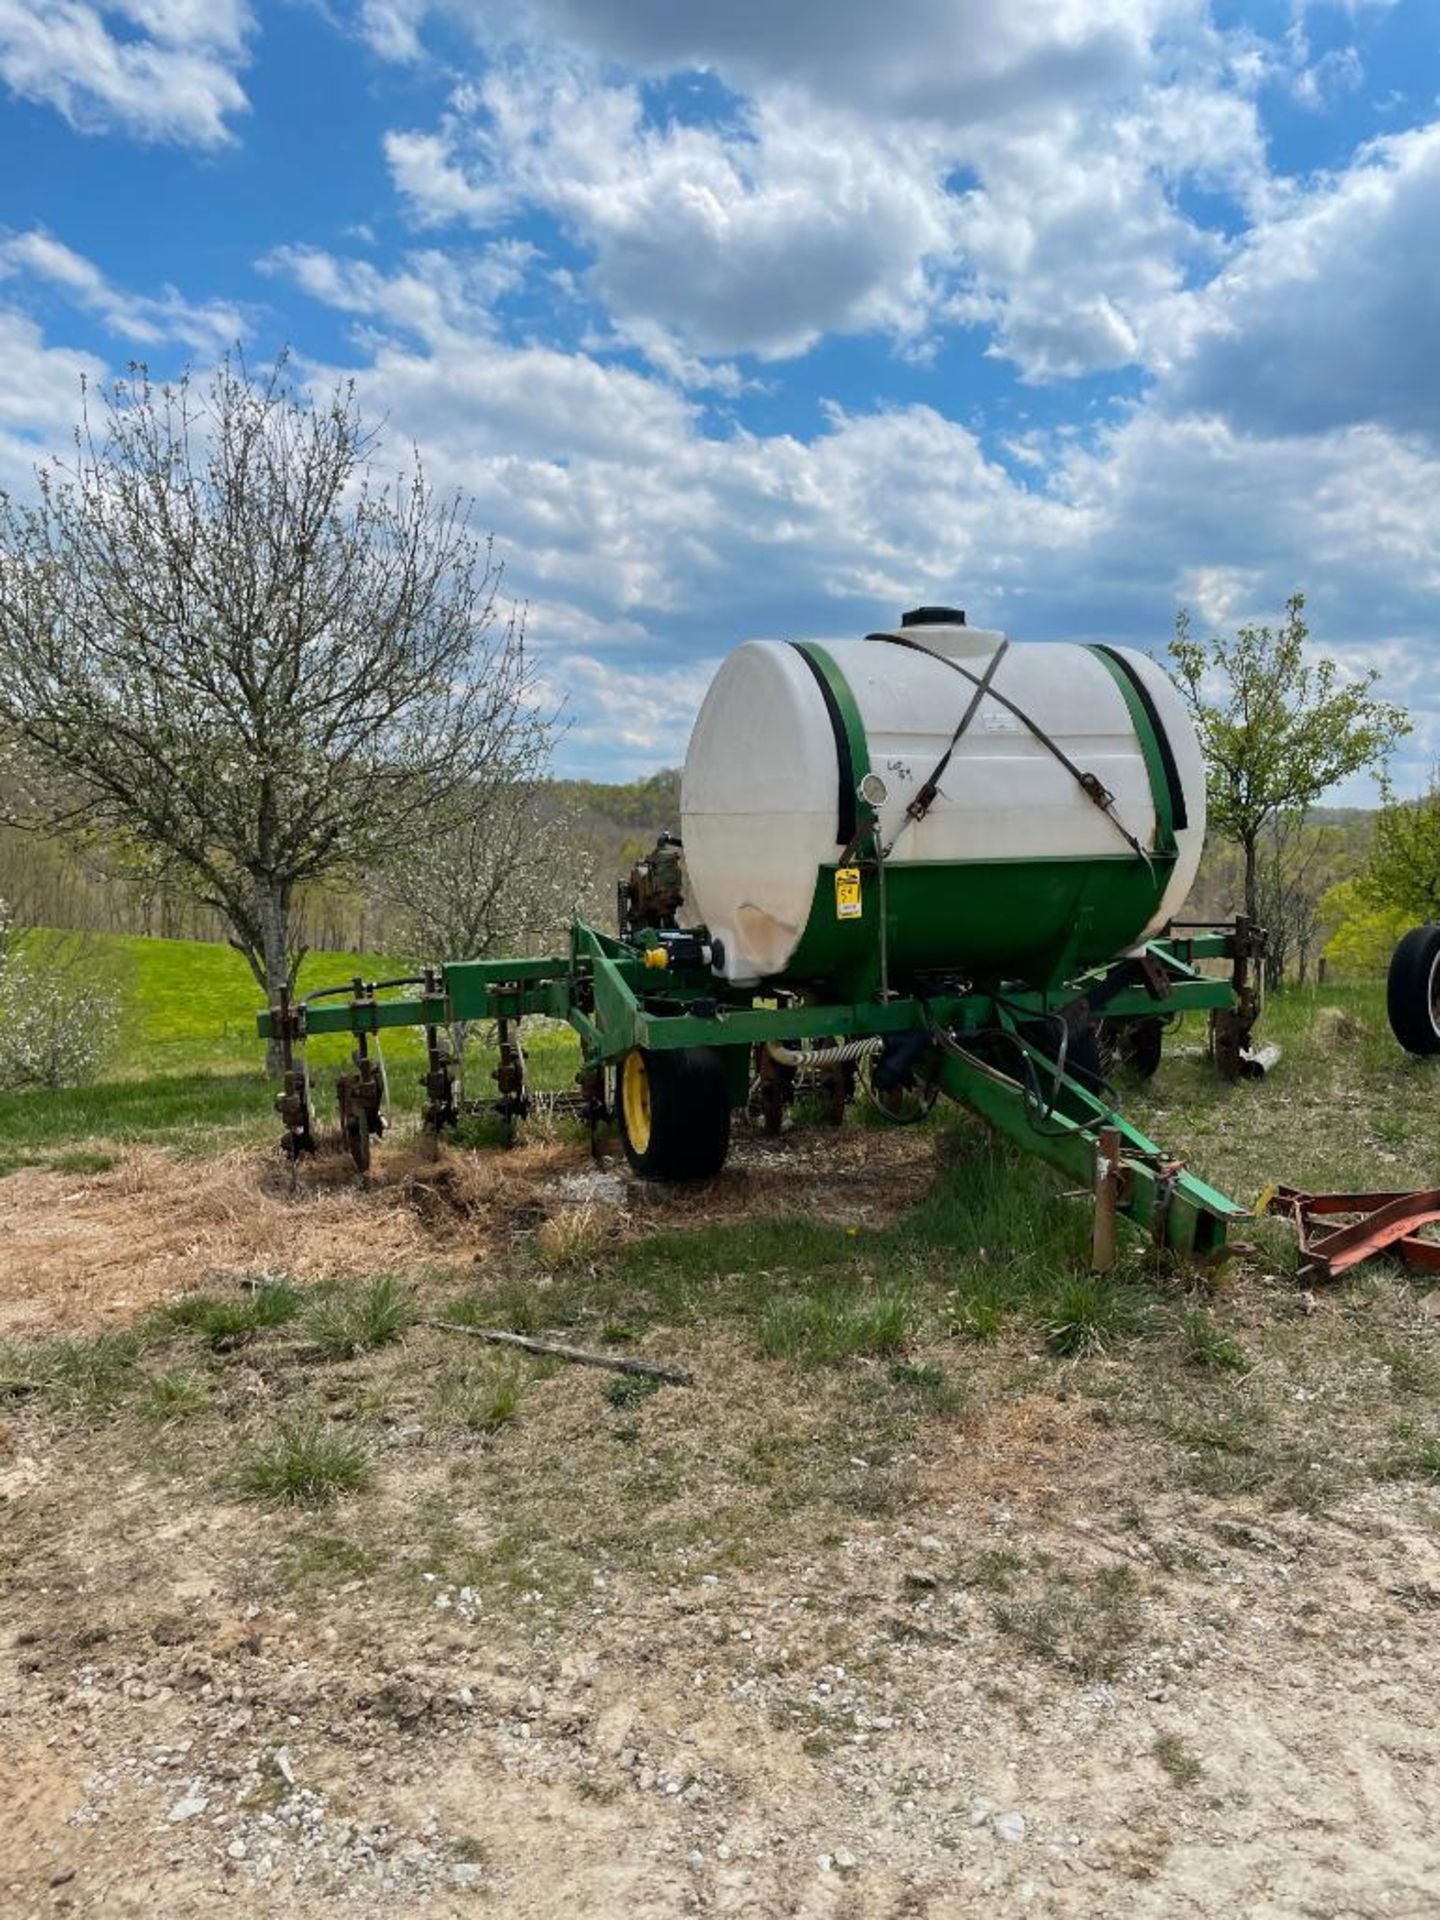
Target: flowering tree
x=224 y=639
x=510 y=872
x=55 y=1020
x=1278 y=728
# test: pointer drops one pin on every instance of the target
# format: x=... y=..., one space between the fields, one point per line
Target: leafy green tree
x=1277 y=729
x=1365 y=934
x=1403 y=872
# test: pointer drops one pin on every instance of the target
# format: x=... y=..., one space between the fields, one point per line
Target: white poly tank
x=784 y=727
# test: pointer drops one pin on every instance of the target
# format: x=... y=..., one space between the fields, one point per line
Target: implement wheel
x=1412 y=991
x=1140 y=1044
x=674 y=1108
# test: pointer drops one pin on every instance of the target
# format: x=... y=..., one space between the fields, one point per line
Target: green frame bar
x=614 y=1001
x=605 y=991
x=1182 y=1212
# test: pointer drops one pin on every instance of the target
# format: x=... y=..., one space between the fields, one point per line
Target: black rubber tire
x=1084 y=1057
x=689 y=1115
x=1142 y=1042
x=1083 y=1060
x=1412 y=991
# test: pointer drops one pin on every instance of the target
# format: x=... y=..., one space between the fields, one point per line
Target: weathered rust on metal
x=1107 y=1198
x=1231 y=1027
x=293 y=1103
x=1368 y=1224
x=360 y=1092
x=774 y=1090
x=509 y=1076
x=438 y=1079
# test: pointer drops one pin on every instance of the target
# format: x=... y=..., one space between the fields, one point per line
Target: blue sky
x=740 y=318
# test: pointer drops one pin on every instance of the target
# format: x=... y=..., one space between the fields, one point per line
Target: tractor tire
x=1084 y=1055
x=1412 y=991
x=674 y=1108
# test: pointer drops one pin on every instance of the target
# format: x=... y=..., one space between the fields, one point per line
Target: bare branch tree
x=513 y=871
x=222 y=638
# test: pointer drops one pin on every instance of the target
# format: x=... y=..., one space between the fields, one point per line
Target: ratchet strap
x=1090 y=784
x=924 y=797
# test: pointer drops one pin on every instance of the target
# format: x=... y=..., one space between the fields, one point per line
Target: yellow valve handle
x=657 y=959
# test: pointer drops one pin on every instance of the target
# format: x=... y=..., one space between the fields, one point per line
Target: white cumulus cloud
x=160 y=69
x=648 y=543
x=1328 y=314
x=147 y=320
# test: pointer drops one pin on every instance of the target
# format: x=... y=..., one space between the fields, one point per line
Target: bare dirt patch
x=387 y=1706
x=963 y=1628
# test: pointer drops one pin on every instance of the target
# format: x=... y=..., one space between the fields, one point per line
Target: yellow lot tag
x=847 y=893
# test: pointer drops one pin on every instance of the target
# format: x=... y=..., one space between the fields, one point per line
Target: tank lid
x=943 y=630
x=933 y=617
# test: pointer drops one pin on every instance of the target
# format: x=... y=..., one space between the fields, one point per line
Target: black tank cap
x=933 y=617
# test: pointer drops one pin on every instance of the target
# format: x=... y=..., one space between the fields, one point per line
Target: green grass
x=834 y=1324
x=1092 y=1313
x=1412 y=1372
x=480 y=1405
x=928 y=1385
x=346 y=1321
x=187 y=1069
x=1416 y=1455
x=304 y=1463
x=1207 y=1345
x=630 y=1389
x=171 y=1396
x=1182 y=1766
x=83 y=1160
x=223 y=1320
x=84 y=1376
x=1085 y=1625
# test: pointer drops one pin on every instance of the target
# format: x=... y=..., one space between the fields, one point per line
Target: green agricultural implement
x=668 y=1054
x=927 y=863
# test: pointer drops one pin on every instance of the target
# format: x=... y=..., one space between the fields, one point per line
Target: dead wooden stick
x=617 y=1363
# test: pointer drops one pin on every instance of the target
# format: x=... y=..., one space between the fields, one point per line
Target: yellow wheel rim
x=635 y=1100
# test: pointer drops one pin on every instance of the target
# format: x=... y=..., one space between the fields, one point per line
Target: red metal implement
x=1371 y=1223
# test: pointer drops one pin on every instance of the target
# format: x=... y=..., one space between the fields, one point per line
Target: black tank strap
x=1090 y=784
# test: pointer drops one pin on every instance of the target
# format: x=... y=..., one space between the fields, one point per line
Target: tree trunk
x=273 y=899
x=1250 y=850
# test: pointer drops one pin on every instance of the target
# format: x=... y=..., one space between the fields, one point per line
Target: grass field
x=184 y=1064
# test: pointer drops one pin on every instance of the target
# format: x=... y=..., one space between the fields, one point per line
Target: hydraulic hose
x=807 y=1056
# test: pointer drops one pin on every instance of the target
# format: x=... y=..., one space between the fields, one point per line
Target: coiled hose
x=808 y=1056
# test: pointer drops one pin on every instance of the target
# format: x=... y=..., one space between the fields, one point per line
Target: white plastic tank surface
x=760 y=791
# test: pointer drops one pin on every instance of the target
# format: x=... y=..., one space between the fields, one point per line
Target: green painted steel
x=634 y=1007
x=1144 y=725
x=1182 y=1212
x=987 y=919
x=840 y=693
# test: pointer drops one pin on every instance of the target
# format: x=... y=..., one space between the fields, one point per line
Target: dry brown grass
x=576 y=1235
x=85 y=1251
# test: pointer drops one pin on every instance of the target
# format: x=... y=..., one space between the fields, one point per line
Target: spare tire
x=1412 y=991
